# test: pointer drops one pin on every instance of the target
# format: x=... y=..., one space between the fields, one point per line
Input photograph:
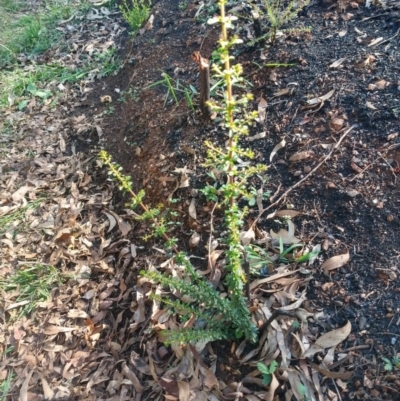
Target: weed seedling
x=390 y=364
x=136 y=14
x=267 y=371
x=173 y=87
x=280 y=12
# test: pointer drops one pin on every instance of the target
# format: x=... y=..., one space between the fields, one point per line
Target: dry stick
x=283 y=196
x=257 y=24
x=275 y=314
x=387 y=40
x=204 y=68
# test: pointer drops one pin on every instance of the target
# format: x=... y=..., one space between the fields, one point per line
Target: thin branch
x=286 y=193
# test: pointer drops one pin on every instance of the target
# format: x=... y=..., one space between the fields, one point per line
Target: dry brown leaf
x=318 y=100
x=246 y=237
x=279 y=146
x=194 y=240
x=270 y=279
x=183 y=390
x=47 y=391
x=295 y=383
x=23 y=392
x=282 y=92
x=77 y=314
x=184 y=181
x=287 y=236
x=375 y=41
x=381 y=84
x=272 y=388
x=257 y=136
x=287 y=212
x=50 y=329
x=123 y=226
x=336 y=123
x=212 y=260
x=262 y=107
x=335 y=262
x=192 y=209
x=370 y=106
x=301 y=155
x=337 y=63
x=20 y=193
x=132 y=377
x=330 y=339
x=332 y=375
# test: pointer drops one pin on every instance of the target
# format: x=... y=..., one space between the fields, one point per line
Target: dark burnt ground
x=349 y=204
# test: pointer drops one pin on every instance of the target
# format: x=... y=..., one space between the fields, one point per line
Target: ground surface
x=95 y=333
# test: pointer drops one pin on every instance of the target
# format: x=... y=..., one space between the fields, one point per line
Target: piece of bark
x=204 y=68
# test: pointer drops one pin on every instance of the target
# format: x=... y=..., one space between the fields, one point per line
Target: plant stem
x=229 y=97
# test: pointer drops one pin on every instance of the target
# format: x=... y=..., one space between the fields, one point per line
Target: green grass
x=25 y=32
x=20 y=85
x=17 y=217
x=135 y=13
x=5 y=386
x=33 y=282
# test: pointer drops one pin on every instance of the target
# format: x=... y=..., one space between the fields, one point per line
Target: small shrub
x=278 y=13
x=136 y=14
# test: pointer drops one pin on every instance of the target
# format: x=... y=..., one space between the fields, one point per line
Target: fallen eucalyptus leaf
x=328 y=340
x=335 y=262
x=337 y=63
x=279 y=146
x=192 y=209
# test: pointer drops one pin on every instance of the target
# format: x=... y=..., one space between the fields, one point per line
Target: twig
x=337 y=390
x=285 y=194
x=362 y=172
x=389 y=334
x=274 y=315
x=391 y=168
x=355 y=348
x=387 y=40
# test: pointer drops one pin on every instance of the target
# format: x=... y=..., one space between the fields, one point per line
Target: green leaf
x=42 y=94
x=388 y=364
x=266 y=379
x=262 y=368
x=23 y=104
x=273 y=366
x=31 y=88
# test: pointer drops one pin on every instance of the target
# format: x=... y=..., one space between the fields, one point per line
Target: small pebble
x=389 y=218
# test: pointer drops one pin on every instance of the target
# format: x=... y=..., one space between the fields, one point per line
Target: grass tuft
x=136 y=14
x=33 y=284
